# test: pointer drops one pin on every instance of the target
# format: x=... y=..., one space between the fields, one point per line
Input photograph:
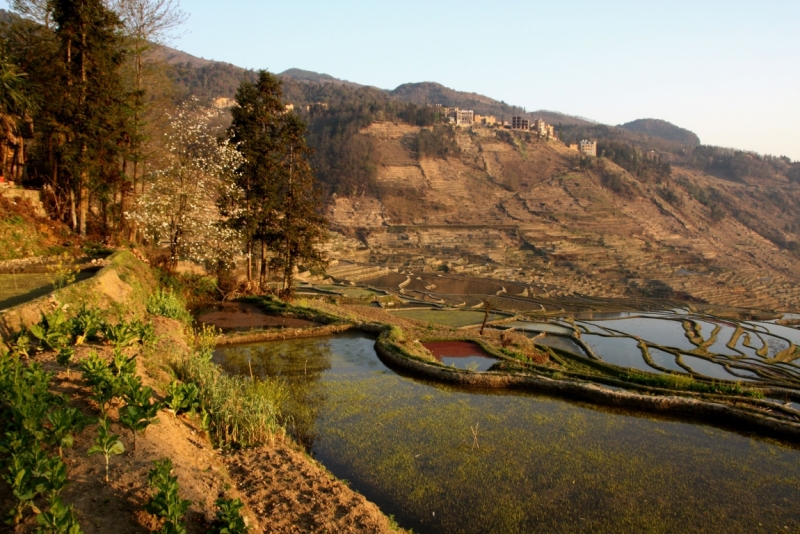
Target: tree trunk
x=249 y=260
x=72 y=210
x=263 y=278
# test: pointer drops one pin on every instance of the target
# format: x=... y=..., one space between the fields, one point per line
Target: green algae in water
x=540 y=464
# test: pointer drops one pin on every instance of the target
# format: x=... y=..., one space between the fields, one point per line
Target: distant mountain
x=663 y=130
x=308 y=76
x=434 y=93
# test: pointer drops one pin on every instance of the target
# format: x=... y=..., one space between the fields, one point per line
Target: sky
x=727 y=70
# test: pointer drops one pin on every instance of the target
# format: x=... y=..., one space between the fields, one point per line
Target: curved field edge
x=712 y=401
x=741 y=412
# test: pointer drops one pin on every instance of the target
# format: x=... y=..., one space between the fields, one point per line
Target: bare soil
x=293 y=494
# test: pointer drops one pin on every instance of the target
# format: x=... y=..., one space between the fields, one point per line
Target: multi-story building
x=464 y=117
x=588 y=148
x=520 y=123
x=543 y=129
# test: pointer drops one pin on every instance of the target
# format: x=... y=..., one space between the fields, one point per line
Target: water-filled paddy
x=621 y=351
x=538 y=465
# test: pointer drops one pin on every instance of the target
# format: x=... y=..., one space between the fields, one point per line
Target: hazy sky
x=727 y=70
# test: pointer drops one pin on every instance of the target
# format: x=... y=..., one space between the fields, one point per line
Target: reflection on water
x=665 y=360
x=622 y=351
x=538 y=464
x=540 y=327
x=563 y=343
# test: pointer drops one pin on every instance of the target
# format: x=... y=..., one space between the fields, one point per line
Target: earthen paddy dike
x=448 y=459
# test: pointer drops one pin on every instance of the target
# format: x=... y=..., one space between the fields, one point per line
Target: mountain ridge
x=424 y=93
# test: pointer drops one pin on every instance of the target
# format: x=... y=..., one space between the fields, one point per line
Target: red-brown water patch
x=455 y=349
x=241 y=316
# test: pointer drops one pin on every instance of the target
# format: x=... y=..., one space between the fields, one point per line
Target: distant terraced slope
x=520 y=208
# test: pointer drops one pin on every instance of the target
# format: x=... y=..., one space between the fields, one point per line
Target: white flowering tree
x=178 y=207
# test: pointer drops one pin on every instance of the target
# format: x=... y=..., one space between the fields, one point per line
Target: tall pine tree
x=274 y=202
x=94 y=112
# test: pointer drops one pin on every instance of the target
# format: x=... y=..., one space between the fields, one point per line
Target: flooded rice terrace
x=445 y=459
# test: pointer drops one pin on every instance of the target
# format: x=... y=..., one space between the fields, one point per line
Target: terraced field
x=525 y=213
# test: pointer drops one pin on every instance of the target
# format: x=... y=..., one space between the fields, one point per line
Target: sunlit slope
x=524 y=209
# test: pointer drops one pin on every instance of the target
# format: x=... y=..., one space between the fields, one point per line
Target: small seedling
x=166 y=502
x=140 y=411
x=59 y=519
x=62 y=424
x=106 y=443
x=229 y=517
x=64 y=357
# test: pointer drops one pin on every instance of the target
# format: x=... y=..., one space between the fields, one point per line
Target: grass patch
x=236 y=411
x=687 y=383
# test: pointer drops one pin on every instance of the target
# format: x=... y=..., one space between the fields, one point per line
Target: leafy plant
x=166 y=502
x=62 y=424
x=122 y=365
x=86 y=324
x=229 y=517
x=139 y=412
x=182 y=397
x=121 y=334
x=53 y=331
x=106 y=443
x=105 y=385
x=23 y=484
x=146 y=332
x=20 y=343
x=30 y=473
x=59 y=519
